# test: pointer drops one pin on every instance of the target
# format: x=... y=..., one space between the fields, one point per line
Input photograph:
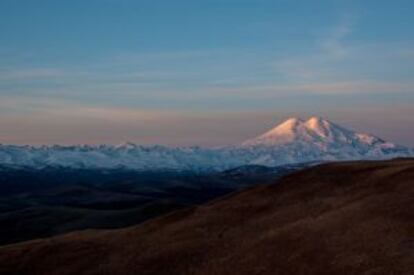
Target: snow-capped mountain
x=319 y=139
x=293 y=141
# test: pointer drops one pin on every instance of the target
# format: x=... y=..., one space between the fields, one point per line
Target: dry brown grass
x=342 y=218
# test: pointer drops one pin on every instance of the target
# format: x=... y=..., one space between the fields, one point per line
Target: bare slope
x=342 y=218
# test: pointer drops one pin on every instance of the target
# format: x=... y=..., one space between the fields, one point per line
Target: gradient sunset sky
x=205 y=72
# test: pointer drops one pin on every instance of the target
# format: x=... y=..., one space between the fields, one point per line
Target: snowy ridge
x=293 y=141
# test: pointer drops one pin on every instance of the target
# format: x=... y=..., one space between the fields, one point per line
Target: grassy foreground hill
x=338 y=218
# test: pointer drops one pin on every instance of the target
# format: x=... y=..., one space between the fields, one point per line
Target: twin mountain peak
x=313 y=130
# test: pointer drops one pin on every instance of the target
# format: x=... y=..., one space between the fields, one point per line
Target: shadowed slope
x=340 y=218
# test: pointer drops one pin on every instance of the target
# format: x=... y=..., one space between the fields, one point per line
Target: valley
x=337 y=218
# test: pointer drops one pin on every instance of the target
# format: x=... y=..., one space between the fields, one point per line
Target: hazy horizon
x=206 y=73
x=235 y=130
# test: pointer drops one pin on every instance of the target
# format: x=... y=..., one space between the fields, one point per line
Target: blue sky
x=201 y=72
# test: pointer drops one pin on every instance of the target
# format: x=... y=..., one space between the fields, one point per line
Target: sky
x=202 y=72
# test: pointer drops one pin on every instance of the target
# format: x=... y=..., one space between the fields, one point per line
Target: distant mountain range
x=293 y=141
